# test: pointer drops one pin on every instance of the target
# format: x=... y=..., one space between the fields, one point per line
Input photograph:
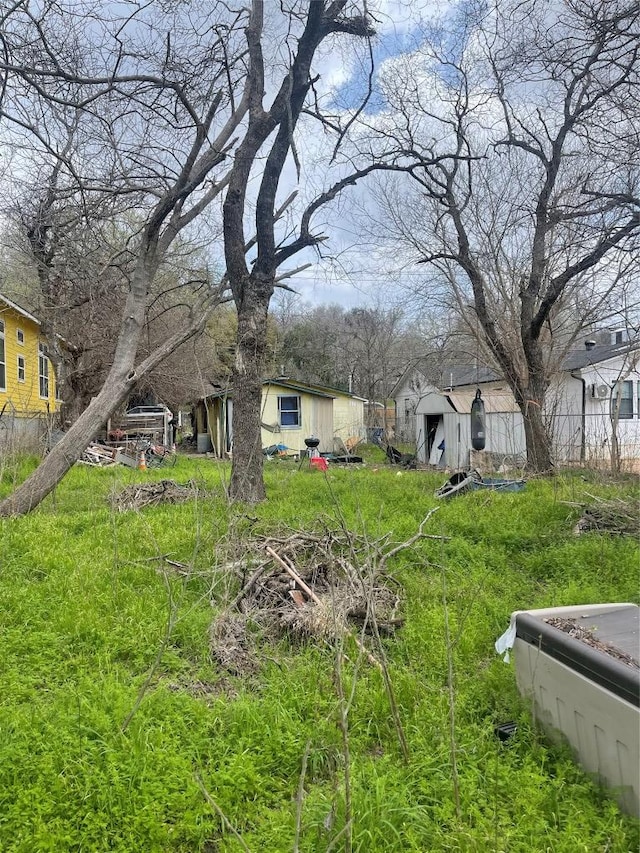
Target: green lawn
x=95 y=624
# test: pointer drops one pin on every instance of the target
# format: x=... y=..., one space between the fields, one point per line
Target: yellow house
x=27 y=380
x=291 y=412
x=348 y=413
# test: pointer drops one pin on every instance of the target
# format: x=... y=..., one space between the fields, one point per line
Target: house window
x=20 y=336
x=22 y=372
x=289 y=411
x=622 y=400
x=43 y=371
x=3 y=366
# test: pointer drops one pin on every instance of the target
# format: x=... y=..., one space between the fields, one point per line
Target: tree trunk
x=615 y=420
x=65 y=453
x=246 y=385
x=539 y=455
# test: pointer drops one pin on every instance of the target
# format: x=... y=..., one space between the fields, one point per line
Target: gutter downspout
x=583 y=448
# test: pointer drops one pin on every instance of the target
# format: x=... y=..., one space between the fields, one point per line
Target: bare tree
x=361 y=350
x=172 y=115
x=539 y=207
x=270 y=135
x=80 y=265
x=160 y=125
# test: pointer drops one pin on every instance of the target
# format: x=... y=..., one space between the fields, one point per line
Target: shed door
x=322 y=423
x=434 y=435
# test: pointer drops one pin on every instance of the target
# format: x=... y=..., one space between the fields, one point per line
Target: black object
x=395 y=457
x=460 y=482
x=505 y=730
x=478 y=428
x=312 y=442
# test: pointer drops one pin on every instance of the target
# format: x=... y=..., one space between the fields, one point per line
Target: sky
x=354 y=273
x=350 y=269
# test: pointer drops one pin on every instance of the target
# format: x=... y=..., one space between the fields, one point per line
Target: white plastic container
x=583 y=694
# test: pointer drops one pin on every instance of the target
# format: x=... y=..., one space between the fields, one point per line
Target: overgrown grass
x=86 y=600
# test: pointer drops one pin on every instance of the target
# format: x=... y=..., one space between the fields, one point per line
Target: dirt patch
x=578 y=632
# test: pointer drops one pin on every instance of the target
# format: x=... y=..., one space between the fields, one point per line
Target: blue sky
x=445 y=22
x=389 y=43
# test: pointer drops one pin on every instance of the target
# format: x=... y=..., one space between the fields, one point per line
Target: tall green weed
x=96 y=623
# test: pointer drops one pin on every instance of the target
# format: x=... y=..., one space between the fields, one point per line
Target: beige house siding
x=323 y=412
x=316 y=419
x=348 y=417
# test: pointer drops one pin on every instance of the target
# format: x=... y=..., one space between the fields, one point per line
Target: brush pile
x=303 y=585
x=616 y=517
x=141 y=495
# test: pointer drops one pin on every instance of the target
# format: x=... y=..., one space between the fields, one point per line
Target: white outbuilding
x=592 y=408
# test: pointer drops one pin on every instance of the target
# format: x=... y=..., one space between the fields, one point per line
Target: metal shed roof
x=494 y=401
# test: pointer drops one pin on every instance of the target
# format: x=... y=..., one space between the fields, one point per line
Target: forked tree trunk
x=246 y=385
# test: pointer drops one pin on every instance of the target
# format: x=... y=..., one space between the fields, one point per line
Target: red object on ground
x=319 y=462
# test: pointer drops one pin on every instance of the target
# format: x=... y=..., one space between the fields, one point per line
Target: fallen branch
x=413 y=539
x=303 y=586
x=615 y=517
x=141 y=495
x=300 y=797
x=246 y=589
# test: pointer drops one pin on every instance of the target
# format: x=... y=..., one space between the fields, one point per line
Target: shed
x=592 y=408
x=443 y=426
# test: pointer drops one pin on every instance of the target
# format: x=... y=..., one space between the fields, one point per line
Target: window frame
x=20 y=337
x=297 y=411
x=23 y=367
x=43 y=371
x=618 y=412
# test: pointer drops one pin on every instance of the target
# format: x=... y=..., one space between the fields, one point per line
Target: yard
x=119 y=730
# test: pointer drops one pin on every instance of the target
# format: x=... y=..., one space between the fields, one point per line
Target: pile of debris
x=141 y=495
x=617 y=517
x=319 y=585
x=99 y=455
